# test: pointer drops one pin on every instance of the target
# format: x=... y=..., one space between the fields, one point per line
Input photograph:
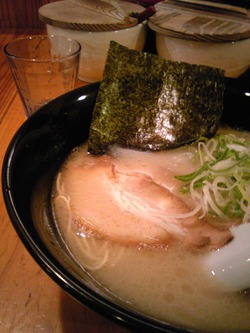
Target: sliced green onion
x=221 y=185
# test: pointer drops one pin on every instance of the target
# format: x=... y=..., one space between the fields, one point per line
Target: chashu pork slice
x=129 y=206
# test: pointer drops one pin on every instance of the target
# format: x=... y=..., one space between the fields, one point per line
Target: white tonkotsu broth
x=165 y=278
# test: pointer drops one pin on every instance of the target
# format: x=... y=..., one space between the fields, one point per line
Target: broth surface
x=169 y=283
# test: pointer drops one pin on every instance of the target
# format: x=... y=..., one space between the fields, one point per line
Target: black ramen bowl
x=39 y=147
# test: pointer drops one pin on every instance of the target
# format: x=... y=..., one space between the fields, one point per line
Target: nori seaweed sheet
x=149 y=103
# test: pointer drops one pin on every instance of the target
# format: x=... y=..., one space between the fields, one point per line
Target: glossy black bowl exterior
x=43 y=141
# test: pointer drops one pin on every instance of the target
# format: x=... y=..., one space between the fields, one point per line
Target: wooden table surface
x=29 y=300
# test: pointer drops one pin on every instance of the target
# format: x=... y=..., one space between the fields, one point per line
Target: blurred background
x=21 y=14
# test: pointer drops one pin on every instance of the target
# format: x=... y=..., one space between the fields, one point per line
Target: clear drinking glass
x=43 y=67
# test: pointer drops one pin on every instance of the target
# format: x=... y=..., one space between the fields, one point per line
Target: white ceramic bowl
x=233 y=57
x=95 y=46
x=203 y=33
